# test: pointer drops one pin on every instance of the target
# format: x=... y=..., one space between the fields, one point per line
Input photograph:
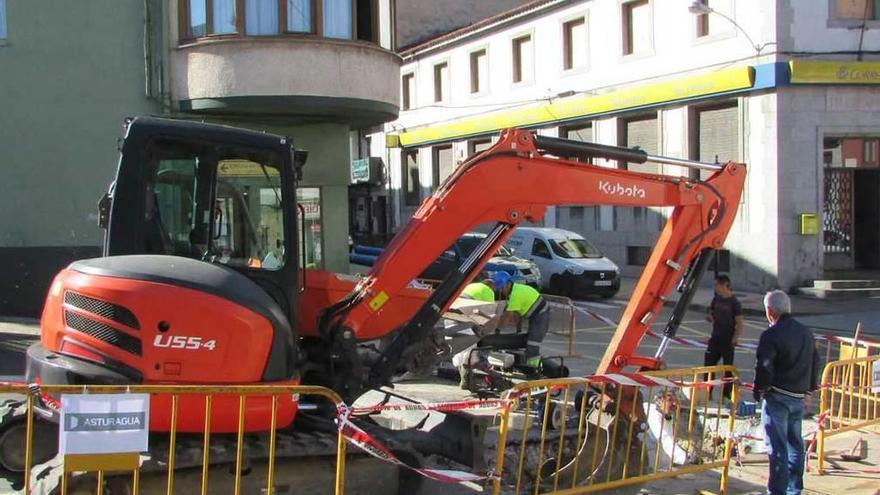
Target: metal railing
x=848 y=400
x=207 y=395
x=583 y=435
x=562 y=319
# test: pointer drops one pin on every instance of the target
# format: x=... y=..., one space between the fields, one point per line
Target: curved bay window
x=341 y=19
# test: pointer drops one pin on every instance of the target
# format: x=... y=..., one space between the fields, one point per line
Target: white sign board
x=104 y=423
x=875 y=378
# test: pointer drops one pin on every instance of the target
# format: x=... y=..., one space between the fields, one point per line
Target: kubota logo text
x=618 y=189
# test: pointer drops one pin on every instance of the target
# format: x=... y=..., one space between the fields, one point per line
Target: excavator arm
x=516 y=180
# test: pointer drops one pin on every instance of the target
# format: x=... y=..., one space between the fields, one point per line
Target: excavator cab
x=210 y=193
x=200 y=278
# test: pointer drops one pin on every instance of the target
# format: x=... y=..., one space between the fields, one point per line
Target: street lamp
x=697 y=7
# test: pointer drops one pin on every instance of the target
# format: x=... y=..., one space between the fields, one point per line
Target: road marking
x=755 y=324
x=597 y=305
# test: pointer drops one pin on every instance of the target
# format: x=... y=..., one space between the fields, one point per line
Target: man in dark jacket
x=786 y=373
x=725 y=314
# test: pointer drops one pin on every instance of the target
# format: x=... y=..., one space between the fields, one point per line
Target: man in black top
x=725 y=314
x=786 y=373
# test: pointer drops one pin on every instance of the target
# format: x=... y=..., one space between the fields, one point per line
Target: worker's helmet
x=500 y=279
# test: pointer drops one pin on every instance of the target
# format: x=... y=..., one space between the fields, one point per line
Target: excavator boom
x=514 y=181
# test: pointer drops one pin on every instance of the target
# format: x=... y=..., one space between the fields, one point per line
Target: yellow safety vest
x=522 y=298
x=479 y=291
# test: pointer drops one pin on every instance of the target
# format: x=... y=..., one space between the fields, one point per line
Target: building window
x=478 y=146
x=713 y=24
x=479 y=71
x=636 y=20
x=309 y=221
x=337 y=19
x=408 y=85
x=871 y=146
x=855 y=9
x=641 y=132
x=261 y=17
x=717 y=136
x=411 y=186
x=851 y=152
x=2 y=19
x=574 y=44
x=299 y=16
x=581 y=132
x=523 y=59
x=329 y=18
x=703 y=21
x=637 y=255
x=441 y=82
x=444 y=164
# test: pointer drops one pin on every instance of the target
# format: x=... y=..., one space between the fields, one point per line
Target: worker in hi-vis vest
x=480 y=291
x=525 y=303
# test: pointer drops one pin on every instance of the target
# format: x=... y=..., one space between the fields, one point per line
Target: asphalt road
x=592 y=337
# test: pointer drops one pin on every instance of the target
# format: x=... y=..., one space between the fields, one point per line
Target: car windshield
x=574 y=248
x=467 y=245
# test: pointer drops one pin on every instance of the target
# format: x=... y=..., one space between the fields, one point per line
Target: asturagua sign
x=104 y=423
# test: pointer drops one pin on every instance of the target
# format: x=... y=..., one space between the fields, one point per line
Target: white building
x=787 y=87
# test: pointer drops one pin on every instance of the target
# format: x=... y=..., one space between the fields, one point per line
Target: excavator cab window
x=214 y=204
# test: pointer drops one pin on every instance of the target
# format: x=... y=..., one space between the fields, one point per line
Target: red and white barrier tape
x=437 y=406
x=692 y=342
x=370 y=445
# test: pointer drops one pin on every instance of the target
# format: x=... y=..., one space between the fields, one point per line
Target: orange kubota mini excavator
x=204 y=280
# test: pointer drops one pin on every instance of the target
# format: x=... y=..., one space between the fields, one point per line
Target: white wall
x=807 y=26
x=780 y=132
x=674 y=35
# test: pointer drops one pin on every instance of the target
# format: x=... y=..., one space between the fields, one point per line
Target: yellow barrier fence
x=206 y=396
x=562 y=319
x=849 y=400
x=583 y=435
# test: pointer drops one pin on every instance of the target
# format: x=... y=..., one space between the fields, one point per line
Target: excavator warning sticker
x=377 y=302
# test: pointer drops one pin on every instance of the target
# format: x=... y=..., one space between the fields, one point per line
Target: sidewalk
x=753 y=302
x=848 y=480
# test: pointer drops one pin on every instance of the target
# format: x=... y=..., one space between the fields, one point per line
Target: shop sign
x=682 y=88
x=834 y=72
x=360 y=170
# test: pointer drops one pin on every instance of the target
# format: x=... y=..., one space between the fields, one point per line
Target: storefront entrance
x=851 y=212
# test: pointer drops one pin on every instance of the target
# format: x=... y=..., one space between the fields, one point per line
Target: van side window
x=539 y=248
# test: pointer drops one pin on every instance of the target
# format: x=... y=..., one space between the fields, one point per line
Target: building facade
x=787 y=87
x=316 y=70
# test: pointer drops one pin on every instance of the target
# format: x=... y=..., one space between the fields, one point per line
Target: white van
x=569 y=264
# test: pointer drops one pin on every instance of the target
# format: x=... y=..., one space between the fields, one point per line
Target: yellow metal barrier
x=583 y=435
x=847 y=401
x=82 y=463
x=562 y=319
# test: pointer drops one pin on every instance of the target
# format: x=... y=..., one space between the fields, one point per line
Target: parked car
x=569 y=264
x=524 y=271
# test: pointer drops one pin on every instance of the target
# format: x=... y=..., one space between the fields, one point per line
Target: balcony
x=294 y=79
x=288 y=61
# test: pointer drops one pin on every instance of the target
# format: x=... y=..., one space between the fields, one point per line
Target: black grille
x=103 y=332
x=588 y=275
x=102 y=308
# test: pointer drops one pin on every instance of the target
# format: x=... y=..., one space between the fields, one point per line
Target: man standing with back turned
x=786 y=373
